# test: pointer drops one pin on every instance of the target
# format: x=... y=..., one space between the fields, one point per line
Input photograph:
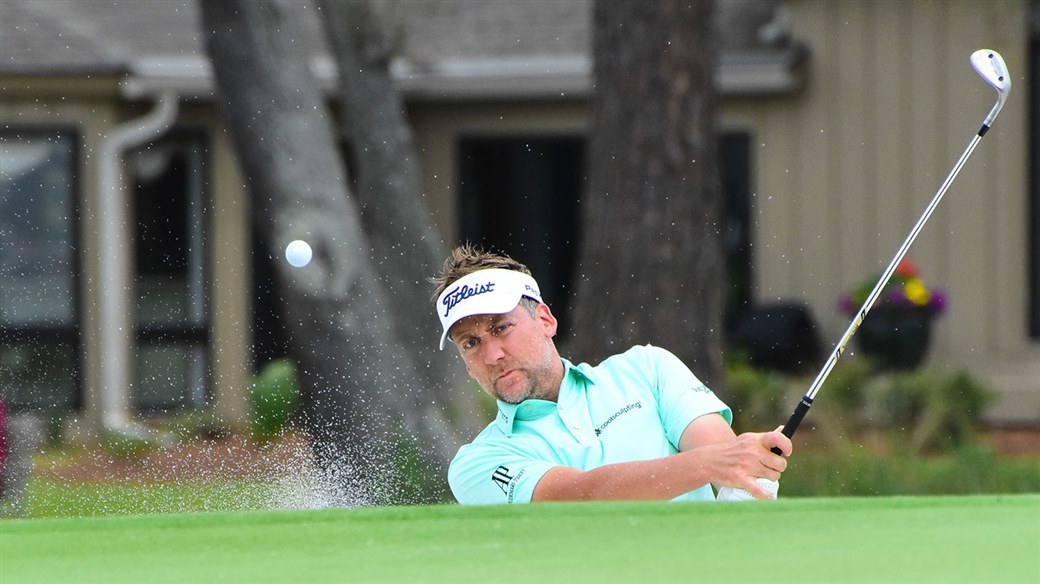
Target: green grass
x=879 y=539
x=46 y=498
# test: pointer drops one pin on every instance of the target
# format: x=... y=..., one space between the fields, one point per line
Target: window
x=39 y=314
x=735 y=177
x=270 y=340
x=520 y=194
x=169 y=179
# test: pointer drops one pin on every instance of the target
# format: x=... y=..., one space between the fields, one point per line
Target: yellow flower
x=916 y=292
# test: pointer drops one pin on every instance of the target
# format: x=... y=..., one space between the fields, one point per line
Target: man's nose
x=493 y=350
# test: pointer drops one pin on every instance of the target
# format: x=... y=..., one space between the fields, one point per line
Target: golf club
x=990 y=66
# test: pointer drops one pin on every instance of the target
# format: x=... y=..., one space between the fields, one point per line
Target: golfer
x=639 y=425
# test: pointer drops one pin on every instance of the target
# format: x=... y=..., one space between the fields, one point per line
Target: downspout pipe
x=115 y=234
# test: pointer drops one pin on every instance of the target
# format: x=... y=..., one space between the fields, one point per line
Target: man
x=637 y=426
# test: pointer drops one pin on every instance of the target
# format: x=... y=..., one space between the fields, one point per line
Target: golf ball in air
x=298 y=253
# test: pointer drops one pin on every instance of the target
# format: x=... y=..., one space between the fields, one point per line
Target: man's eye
x=469 y=343
x=500 y=328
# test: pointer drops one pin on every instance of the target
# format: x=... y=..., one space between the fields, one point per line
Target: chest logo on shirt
x=617 y=414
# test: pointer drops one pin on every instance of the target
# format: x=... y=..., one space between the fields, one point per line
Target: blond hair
x=466 y=259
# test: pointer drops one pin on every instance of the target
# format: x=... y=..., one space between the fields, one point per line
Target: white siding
x=845 y=168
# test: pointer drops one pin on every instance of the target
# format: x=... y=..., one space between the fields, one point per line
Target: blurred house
x=131 y=280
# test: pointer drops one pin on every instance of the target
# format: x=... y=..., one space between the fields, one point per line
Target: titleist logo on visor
x=463 y=292
x=490 y=291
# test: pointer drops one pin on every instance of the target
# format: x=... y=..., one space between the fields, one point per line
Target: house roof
x=451 y=48
x=91 y=36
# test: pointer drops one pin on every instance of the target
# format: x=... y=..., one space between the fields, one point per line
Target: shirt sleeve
x=491 y=473
x=681 y=397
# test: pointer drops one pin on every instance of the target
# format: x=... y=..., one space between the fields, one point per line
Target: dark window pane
x=169 y=199
x=39 y=328
x=519 y=195
x=170 y=233
x=37 y=246
x=38 y=374
x=171 y=375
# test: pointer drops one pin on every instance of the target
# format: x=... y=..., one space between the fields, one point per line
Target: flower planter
x=896 y=338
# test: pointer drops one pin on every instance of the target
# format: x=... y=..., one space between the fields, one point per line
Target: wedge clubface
x=990 y=66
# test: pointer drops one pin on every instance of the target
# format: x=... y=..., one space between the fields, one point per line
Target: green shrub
x=414 y=481
x=127 y=447
x=192 y=424
x=758 y=398
x=838 y=415
x=274 y=398
x=935 y=413
x=970 y=469
x=894 y=433
x=921 y=411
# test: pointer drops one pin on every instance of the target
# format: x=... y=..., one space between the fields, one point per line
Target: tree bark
x=384 y=167
x=358 y=386
x=651 y=262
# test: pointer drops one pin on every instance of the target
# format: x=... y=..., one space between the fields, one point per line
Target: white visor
x=494 y=291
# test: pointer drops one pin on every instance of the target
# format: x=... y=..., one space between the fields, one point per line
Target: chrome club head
x=990 y=66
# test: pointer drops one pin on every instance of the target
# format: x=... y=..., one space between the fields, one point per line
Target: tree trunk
x=406 y=250
x=651 y=258
x=359 y=387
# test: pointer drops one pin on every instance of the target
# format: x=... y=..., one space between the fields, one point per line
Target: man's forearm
x=731 y=462
x=648 y=480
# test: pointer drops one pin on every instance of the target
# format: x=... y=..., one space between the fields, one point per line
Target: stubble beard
x=539 y=383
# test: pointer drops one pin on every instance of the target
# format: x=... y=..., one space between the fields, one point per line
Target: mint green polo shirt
x=632 y=406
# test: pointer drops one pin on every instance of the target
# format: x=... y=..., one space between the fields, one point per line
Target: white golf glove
x=737 y=494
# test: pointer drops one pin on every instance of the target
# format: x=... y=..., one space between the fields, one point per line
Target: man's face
x=511 y=355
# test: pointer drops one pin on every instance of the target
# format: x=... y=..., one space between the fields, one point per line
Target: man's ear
x=546 y=319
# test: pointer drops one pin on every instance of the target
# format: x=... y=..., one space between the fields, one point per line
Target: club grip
x=796 y=418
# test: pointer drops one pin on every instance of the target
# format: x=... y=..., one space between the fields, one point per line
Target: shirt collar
x=533 y=409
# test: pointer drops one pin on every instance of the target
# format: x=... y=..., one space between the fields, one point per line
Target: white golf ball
x=298 y=253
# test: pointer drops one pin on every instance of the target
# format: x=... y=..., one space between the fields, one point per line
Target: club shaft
x=832 y=360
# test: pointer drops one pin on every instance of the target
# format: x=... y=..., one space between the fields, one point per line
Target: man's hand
x=736 y=461
x=727 y=494
x=740 y=462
